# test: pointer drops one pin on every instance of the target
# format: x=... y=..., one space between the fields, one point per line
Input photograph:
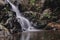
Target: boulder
x=53 y=25
x=2 y=2
x=3 y=31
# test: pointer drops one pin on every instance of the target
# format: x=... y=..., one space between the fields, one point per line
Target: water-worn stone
x=2 y=2
x=13 y=25
x=53 y=25
x=4 y=31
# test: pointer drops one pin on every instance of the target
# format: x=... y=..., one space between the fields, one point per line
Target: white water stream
x=25 y=24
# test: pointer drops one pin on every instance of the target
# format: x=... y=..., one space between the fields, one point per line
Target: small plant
x=47 y=15
x=32 y=2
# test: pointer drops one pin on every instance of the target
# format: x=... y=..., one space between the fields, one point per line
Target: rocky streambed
x=43 y=15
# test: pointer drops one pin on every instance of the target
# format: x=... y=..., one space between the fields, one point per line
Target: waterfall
x=25 y=24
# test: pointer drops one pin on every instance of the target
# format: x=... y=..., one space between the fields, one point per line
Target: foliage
x=32 y=2
x=47 y=15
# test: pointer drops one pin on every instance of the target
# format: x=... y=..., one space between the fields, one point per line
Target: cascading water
x=25 y=24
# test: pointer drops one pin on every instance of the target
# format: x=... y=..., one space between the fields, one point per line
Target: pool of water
x=34 y=35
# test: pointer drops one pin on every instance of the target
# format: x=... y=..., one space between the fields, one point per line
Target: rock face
x=2 y=2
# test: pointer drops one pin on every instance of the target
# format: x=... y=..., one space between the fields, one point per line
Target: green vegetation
x=32 y=2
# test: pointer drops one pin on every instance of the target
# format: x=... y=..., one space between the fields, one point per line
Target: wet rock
x=41 y=24
x=4 y=31
x=13 y=25
x=53 y=25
